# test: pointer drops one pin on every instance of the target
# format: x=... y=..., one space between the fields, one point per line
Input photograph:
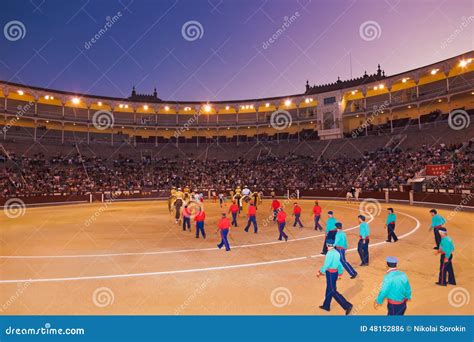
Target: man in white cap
x=395 y=288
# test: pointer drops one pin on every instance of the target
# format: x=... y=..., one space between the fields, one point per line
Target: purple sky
x=145 y=46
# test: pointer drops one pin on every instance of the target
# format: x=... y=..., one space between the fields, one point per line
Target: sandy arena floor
x=131 y=258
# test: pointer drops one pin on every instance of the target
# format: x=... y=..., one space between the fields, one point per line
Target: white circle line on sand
x=192 y=270
x=76 y=256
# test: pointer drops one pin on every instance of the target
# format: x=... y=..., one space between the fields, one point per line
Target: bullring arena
x=150 y=266
x=85 y=181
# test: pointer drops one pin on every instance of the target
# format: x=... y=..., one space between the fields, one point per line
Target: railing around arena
x=464 y=198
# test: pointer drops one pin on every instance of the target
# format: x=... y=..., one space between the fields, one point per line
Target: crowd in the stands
x=384 y=168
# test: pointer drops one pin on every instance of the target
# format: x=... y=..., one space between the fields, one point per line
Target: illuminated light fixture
x=75 y=100
x=126 y=106
x=207 y=108
x=311 y=122
x=145 y=107
x=353 y=92
x=306 y=100
x=20 y=92
x=145 y=128
x=375 y=88
x=47 y=121
x=434 y=71
x=167 y=108
x=228 y=127
x=227 y=107
x=251 y=106
x=123 y=127
x=287 y=103
x=472 y=93
x=248 y=127
x=409 y=107
x=99 y=104
x=440 y=100
x=74 y=124
x=405 y=79
x=46 y=97
x=381 y=86
x=267 y=105
x=357 y=115
x=463 y=63
x=121 y=106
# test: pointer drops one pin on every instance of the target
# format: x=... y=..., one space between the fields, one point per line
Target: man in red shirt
x=281 y=220
x=224 y=227
x=275 y=206
x=252 y=218
x=317 y=216
x=297 y=215
x=199 y=218
x=234 y=210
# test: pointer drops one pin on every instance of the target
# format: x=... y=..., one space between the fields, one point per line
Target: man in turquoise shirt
x=330 y=230
x=395 y=288
x=332 y=268
x=390 y=224
x=340 y=243
x=437 y=222
x=446 y=249
x=363 y=245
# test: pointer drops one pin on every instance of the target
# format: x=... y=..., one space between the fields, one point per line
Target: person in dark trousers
x=224 y=228
x=333 y=270
x=437 y=221
x=363 y=246
x=297 y=215
x=199 y=218
x=446 y=249
x=395 y=288
x=390 y=225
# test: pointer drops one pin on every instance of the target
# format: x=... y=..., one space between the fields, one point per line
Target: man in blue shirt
x=446 y=249
x=332 y=268
x=437 y=221
x=330 y=230
x=340 y=243
x=395 y=288
x=390 y=224
x=363 y=246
